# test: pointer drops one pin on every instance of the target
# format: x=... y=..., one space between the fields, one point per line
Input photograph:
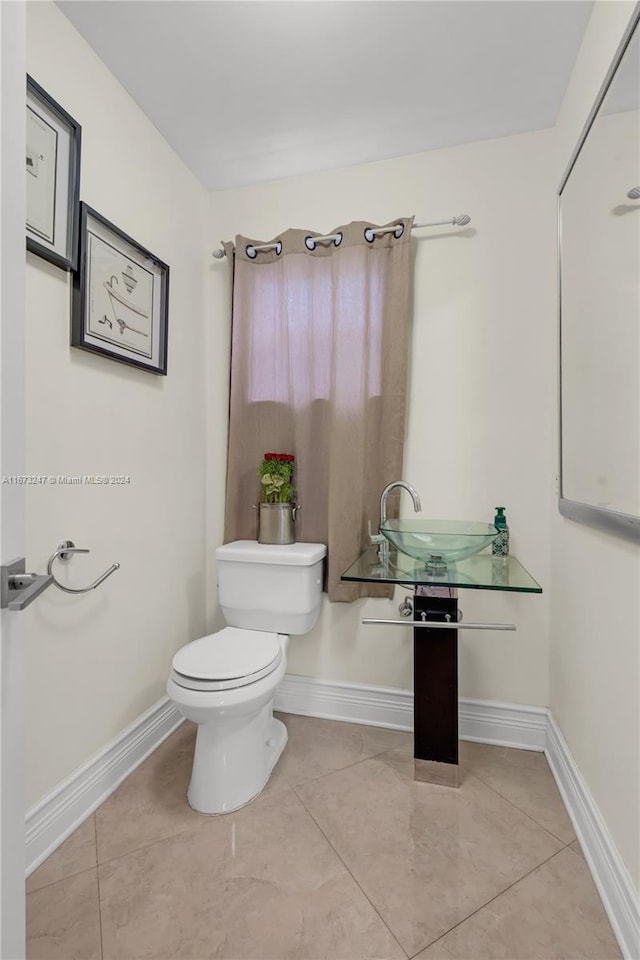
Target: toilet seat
x=230 y=658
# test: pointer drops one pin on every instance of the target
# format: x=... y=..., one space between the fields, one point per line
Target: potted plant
x=277 y=508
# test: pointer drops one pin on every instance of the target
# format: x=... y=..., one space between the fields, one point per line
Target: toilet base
x=232 y=762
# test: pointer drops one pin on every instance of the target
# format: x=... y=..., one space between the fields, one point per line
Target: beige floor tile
x=63 y=920
x=77 y=853
x=259 y=883
x=317 y=747
x=152 y=802
x=553 y=914
x=524 y=778
x=426 y=856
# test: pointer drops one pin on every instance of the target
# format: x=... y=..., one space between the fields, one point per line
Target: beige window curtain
x=318 y=370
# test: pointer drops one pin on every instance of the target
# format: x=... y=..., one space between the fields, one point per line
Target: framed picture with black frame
x=53 y=179
x=120 y=302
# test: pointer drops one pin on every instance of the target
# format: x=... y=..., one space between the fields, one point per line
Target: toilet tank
x=270 y=587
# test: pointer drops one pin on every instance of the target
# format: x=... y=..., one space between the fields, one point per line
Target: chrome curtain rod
x=460 y=220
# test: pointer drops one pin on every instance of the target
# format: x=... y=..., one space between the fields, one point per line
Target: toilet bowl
x=238 y=740
x=225 y=682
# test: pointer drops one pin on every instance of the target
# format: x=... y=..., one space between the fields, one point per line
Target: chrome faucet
x=415 y=496
x=378 y=538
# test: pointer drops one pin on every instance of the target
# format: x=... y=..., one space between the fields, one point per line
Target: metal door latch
x=18 y=588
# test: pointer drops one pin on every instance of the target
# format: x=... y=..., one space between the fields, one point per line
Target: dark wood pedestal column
x=435 y=685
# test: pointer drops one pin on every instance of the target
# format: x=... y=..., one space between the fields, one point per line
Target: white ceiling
x=256 y=90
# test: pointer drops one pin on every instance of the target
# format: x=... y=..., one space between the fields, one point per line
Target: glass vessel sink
x=438 y=542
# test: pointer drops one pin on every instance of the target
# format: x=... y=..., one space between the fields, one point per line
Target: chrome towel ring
x=64 y=552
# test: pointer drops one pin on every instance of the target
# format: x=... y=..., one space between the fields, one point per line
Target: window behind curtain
x=319 y=359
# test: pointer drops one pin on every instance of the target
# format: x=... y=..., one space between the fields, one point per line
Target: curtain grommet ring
x=279 y=247
x=251 y=252
x=369 y=235
x=337 y=240
x=310 y=243
x=398 y=231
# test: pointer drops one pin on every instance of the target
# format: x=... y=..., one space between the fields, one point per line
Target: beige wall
x=98 y=661
x=595 y=609
x=480 y=393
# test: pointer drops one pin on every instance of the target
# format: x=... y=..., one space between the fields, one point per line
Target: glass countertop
x=481 y=572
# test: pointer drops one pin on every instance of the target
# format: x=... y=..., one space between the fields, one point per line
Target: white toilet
x=226 y=682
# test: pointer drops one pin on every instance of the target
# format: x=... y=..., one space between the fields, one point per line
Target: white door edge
x=12 y=462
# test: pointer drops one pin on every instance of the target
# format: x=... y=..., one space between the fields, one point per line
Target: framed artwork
x=120 y=301
x=53 y=179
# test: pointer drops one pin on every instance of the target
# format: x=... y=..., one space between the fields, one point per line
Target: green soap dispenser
x=500 y=546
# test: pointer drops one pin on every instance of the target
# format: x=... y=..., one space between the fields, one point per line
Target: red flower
x=286 y=457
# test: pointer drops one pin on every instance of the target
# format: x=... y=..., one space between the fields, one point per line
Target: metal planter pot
x=276 y=522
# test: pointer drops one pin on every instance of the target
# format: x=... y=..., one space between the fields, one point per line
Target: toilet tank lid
x=290 y=554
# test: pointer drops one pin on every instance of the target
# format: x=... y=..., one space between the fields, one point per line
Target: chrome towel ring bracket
x=64 y=552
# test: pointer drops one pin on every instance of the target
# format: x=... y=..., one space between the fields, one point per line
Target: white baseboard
x=351 y=702
x=505 y=724
x=611 y=877
x=56 y=816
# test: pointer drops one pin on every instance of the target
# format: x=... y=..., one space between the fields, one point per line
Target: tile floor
x=342 y=857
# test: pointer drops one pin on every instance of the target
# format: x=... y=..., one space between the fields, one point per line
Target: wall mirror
x=599 y=234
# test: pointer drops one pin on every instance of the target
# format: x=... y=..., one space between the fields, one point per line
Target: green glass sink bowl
x=438 y=542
